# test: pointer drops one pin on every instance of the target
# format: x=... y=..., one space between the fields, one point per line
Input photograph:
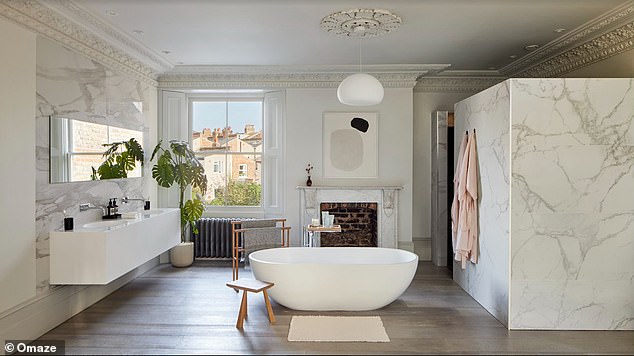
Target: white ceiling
x=468 y=34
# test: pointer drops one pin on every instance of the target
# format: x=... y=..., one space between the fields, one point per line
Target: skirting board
x=422 y=247
x=35 y=318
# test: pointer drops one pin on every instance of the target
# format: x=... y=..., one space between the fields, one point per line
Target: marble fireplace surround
x=385 y=196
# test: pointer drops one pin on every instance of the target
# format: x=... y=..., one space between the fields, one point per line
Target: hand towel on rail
x=260 y=238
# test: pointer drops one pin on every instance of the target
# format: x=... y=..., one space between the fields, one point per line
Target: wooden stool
x=255 y=286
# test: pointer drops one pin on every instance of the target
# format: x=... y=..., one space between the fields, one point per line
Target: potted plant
x=179 y=165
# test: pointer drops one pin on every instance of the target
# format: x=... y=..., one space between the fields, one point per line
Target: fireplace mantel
x=385 y=196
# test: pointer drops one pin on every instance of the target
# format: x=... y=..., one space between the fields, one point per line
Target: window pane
x=209 y=120
x=88 y=137
x=245 y=180
x=81 y=166
x=216 y=171
x=245 y=122
x=227 y=139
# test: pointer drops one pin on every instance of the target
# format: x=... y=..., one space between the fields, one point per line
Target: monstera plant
x=179 y=165
x=119 y=161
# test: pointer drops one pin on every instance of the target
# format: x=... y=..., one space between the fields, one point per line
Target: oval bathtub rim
x=414 y=259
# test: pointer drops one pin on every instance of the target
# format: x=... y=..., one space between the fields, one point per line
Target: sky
x=212 y=114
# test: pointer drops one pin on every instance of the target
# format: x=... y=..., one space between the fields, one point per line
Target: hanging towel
x=455 y=205
x=260 y=234
x=467 y=234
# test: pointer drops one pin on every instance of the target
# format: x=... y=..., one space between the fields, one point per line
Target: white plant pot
x=182 y=255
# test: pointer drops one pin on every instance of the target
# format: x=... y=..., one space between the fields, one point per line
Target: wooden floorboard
x=191 y=311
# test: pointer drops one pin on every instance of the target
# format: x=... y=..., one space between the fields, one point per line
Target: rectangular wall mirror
x=83 y=151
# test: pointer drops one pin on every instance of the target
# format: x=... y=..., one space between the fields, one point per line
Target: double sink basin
x=99 y=252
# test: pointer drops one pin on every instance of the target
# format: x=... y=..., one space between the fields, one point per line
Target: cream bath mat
x=337 y=329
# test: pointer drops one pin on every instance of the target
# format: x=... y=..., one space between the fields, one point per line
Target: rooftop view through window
x=227 y=139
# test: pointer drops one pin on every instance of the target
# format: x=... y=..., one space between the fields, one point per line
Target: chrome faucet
x=89 y=206
x=128 y=199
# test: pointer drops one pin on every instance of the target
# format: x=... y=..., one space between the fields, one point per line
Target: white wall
x=17 y=154
x=304 y=109
x=424 y=104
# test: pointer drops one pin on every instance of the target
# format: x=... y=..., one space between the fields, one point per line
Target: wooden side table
x=255 y=286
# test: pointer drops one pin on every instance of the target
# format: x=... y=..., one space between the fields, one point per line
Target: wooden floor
x=191 y=311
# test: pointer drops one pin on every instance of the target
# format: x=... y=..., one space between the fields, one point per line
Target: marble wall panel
x=77 y=87
x=488 y=280
x=572 y=208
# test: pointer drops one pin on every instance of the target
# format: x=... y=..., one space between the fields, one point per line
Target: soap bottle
x=68 y=222
x=115 y=207
x=109 y=208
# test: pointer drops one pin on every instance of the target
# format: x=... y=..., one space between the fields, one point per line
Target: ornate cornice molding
x=306 y=69
x=459 y=82
x=46 y=22
x=596 y=40
x=596 y=50
x=91 y=22
x=274 y=80
x=77 y=28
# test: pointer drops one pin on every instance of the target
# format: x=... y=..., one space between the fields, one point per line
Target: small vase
x=309 y=182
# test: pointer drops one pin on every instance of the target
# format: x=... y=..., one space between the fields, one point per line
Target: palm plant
x=179 y=165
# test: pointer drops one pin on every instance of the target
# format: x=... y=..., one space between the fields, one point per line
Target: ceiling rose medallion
x=361 y=23
x=360 y=89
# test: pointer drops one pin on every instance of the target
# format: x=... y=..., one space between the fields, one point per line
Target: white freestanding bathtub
x=335 y=278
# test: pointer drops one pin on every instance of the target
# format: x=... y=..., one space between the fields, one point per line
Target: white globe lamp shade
x=360 y=89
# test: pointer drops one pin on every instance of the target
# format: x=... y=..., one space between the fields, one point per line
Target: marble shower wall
x=572 y=215
x=77 y=87
x=488 y=280
x=439 y=190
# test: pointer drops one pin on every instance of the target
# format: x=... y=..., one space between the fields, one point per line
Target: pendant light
x=360 y=89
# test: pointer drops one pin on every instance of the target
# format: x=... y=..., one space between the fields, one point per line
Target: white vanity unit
x=100 y=252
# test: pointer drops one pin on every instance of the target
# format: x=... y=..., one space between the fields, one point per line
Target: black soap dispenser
x=109 y=208
x=68 y=222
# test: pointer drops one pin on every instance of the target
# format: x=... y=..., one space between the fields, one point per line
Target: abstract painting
x=350 y=144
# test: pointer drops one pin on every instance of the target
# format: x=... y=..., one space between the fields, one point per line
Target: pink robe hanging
x=455 y=205
x=467 y=234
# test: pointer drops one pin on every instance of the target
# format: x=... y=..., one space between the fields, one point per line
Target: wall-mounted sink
x=102 y=251
x=105 y=223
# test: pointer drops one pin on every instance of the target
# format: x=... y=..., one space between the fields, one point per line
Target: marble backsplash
x=77 y=87
x=488 y=113
x=572 y=207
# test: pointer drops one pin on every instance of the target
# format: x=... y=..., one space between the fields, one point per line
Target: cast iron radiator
x=213 y=238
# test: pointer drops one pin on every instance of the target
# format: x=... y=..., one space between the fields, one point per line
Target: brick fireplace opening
x=358 y=225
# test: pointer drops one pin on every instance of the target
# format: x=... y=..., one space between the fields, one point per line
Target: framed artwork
x=350 y=144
